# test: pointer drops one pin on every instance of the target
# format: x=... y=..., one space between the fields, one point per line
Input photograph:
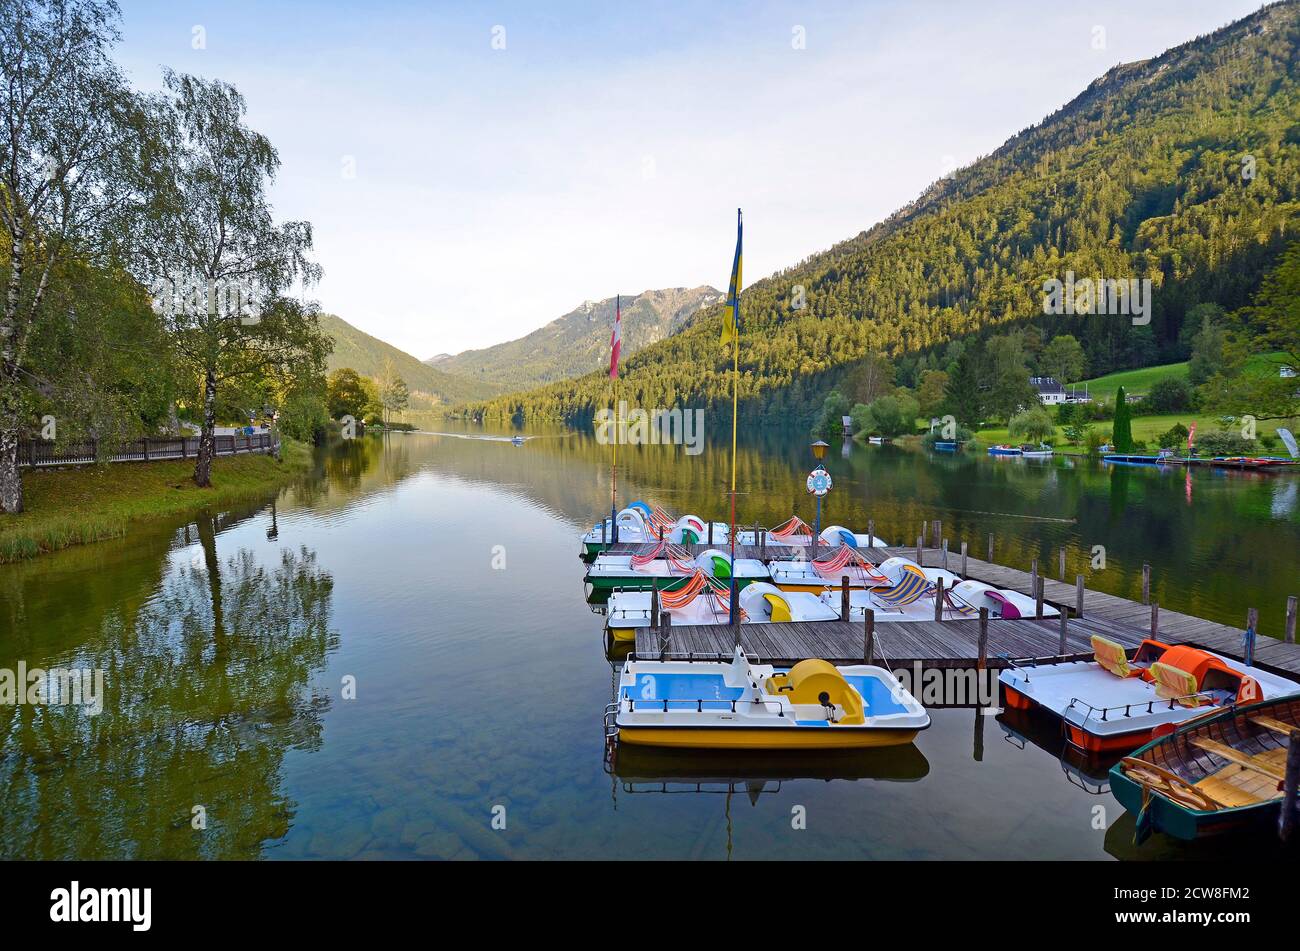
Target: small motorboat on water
x=1217 y=774
x=1004 y=450
x=664 y=566
x=642 y=524
x=1036 y=452
x=517 y=440
x=1113 y=704
x=737 y=704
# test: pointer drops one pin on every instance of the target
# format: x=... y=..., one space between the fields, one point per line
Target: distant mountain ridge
x=1183 y=169
x=366 y=354
x=578 y=342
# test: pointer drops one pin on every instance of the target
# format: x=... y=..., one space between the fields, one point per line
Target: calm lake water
x=229 y=643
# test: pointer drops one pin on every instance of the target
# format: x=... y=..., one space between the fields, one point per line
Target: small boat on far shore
x=1004 y=450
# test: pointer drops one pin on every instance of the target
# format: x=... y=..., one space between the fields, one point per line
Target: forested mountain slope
x=1184 y=169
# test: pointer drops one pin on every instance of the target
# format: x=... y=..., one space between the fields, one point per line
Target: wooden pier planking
x=901 y=643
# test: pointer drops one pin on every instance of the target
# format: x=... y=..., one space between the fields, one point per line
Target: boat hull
x=764 y=738
x=1186 y=824
x=1079 y=738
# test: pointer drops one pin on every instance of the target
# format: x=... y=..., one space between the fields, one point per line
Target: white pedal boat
x=641 y=524
x=742 y=705
x=1113 y=704
x=760 y=603
x=663 y=566
x=796 y=533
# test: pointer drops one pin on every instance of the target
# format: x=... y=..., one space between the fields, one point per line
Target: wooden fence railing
x=40 y=453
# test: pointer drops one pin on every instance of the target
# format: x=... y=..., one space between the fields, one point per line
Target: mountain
x=366 y=354
x=1183 y=169
x=578 y=342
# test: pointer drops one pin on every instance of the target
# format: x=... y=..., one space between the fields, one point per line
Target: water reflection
x=208 y=686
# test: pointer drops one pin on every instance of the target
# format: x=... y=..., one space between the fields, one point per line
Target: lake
x=393 y=657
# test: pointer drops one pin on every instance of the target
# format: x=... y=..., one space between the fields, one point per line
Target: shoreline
x=67 y=507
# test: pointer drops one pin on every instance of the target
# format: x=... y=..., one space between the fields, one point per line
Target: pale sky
x=463 y=195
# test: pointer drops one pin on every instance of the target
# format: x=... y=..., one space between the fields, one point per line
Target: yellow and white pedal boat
x=737 y=704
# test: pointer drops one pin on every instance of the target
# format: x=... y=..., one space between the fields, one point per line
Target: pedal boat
x=704 y=600
x=796 y=533
x=1113 y=705
x=827 y=571
x=642 y=524
x=1218 y=774
x=741 y=705
x=664 y=566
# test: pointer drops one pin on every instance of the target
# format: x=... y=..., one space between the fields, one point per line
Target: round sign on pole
x=819 y=482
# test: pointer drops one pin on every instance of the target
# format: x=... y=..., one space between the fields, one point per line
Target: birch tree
x=74 y=159
x=223 y=271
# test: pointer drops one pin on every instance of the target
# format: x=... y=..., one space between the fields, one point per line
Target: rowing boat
x=1214 y=775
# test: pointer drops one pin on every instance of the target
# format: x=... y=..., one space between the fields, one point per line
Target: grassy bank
x=1145 y=429
x=77 y=505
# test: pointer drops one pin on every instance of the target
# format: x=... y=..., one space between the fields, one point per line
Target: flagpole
x=733 y=601
x=613 y=472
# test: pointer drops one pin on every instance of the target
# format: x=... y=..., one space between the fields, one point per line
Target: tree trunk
x=207 y=441
x=11 y=484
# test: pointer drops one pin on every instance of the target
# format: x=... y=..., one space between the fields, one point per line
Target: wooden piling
x=1038 y=597
x=1062 y=563
x=1065 y=630
x=1289 y=635
x=944 y=549
x=869 y=636
x=1146 y=583
x=762 y=545
x=1078 y=595
x=1033 y=577
x=665 y=633
x=710 y=533
x=844 y=598
x=938 y=600
x=604 y=527
x=920 y=548
x=990 y=558
x=925 y=533
x=654 y=606
x=1252 y=632
x=938 y=532
x=981 y=659
x=871 y=533
x=1286 y=822
x=1155 y=619
x=964 y=576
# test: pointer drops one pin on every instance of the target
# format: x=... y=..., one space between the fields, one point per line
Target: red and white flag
x=616 y=339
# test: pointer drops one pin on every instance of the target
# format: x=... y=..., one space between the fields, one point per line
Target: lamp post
x=819 y=483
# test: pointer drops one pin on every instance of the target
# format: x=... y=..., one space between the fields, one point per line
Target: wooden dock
x=954 y=643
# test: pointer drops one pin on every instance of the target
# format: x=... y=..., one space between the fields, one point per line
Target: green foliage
x=964 y=394
x=1224 y=443
x=348 y=393
x=1207 y=343
x=1171 y=394
x=1139 y=176
x=889 y=416
x=1173 y=438
x=1034 y=424
x=1063 y=359
x=831 y=421
x=932 y=392
x=1270 y=326
x=1010 y=390
x=1122 y=429
x=367 y=355
x=1093 y=440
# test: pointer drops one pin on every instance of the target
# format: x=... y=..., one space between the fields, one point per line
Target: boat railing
x=1143 y=706
x=663 y=705
x=700 y=656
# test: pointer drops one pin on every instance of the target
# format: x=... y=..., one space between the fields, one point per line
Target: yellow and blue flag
x=731 y=313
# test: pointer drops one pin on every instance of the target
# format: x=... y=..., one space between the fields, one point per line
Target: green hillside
x=578 y=342
x=366 y=354
x=1134 y=381
x=1142 y=176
